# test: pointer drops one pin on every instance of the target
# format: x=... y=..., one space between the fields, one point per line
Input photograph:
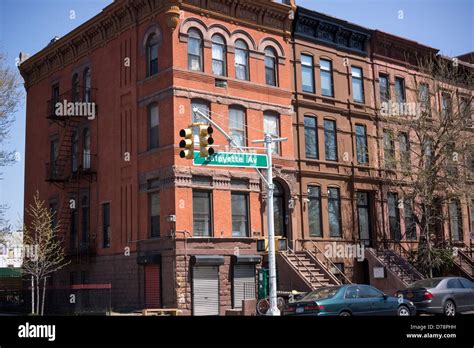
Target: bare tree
x=9 y=99
x=435 y=166
x=44 y=253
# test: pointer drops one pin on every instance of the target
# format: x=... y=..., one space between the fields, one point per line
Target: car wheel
x=345 y=314
x=403 y=311
x=449 y=308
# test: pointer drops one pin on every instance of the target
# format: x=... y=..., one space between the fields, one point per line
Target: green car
x=350 y=299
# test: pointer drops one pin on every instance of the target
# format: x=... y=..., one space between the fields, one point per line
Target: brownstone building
x=134 y=214
x=343 y=72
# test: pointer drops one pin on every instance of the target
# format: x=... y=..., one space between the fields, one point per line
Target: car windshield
x=321 y=293
x=425 y=283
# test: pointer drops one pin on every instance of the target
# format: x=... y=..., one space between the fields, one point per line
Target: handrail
x=306 y=267
x=329 y=261
x=391 y=245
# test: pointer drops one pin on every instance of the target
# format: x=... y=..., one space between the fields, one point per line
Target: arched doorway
x=280 y=211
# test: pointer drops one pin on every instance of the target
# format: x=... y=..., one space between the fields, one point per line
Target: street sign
x=232 y=159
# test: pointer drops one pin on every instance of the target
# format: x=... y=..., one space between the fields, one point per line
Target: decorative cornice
x=319 y=28
x=122 y=14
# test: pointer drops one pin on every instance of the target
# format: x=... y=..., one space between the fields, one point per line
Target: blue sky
x=28 y=26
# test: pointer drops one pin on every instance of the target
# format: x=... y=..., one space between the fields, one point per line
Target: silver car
x=448 y=295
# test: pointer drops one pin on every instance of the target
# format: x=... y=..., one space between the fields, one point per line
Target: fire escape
x=72 y=168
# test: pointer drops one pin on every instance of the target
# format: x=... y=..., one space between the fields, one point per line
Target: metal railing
x=328 y=261
x=312 y=276
x=403 y=255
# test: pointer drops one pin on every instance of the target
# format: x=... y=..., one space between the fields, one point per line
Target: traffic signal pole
x=269 y=140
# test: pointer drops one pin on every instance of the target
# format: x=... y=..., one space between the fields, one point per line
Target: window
x=384 y=86
x=361 y=144
x=53 y=208
x=357 y=85
x=86 y=144
x=394 y=216
x=455 y=221
x=404 y=143
x=54 y=156
x=106 y=225
x=424 y=95
x=240 y=215
x=314 y=211
x=271 y=126
x=307 y=73
x=388 y=149
x=311 y=137
x=153 y=127
x=85 y=212
x=196 y=117
x=271 y=77
x=152 y=55
x=326 y=78
x=87 y=85
x=410 y=225
x=54 y=100
x=280 y=217
x=241 y=60
x=467 y=284
x=454 y=284
x=330 y=142
x=237 y=125
x=369 y=292
x=465 y=110
x=334 y=212
x=446 y=106
x=194 y=50
x=363 y=215
x=202 y=214
x=73 y=228
x=400 y=90
x=154 y=204
x=75 y=92
x=75 y=151
x=218 y=56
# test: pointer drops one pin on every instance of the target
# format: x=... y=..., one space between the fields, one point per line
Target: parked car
x=349 y=299
x=444 y=295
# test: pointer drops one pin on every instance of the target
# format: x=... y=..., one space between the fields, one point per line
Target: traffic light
x=187 y=143
x=205 y=140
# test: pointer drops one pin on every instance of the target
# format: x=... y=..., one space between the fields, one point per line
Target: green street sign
x=232 y=159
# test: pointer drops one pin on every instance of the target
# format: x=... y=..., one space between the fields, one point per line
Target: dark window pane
x=326 y=78
x=357 y=85
x=314 y=211
x=311 y=137
x=394 y=216
x=154 y=214
x=399 y=90
x=307 y=72
x=153 y=126
x=334 y=210
x=202 y=213
x=384 y=88
x=330 y=142
x=410 y=225
x=106 y=224
x=361 y=144
x=240 y=215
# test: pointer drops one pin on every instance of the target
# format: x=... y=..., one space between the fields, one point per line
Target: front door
x=363 y=216
x=280 y=211
x=152 y=286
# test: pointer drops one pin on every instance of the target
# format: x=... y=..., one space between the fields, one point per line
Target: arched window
x=86 y=144
x=152 y=55
x=271 y=75
x=87 y=85
x=75 y=93
x=241 y=60
x=195 y=50
x=218 y=55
